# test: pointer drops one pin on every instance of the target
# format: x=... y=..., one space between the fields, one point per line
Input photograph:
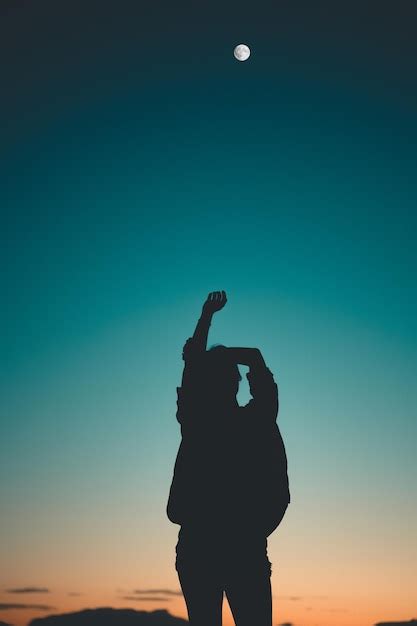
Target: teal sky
x=139 y=174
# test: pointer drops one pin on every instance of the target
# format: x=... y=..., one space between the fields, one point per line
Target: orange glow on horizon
x=309 y=610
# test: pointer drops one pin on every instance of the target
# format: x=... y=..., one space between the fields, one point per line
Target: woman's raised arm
x=214 y=302
x=196 y=345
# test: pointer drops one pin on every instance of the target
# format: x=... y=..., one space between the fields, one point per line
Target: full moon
x=241 y=52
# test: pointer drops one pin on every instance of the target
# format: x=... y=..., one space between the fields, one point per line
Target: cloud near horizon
x=28 y=590
x=164 y=592
x=6 y=606
x=147 y=598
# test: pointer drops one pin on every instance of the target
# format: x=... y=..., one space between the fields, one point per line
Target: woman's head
x=223 y=373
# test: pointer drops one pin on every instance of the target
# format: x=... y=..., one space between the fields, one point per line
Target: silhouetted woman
x=230 y=489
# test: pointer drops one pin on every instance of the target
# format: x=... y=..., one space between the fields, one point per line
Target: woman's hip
x=221 y=552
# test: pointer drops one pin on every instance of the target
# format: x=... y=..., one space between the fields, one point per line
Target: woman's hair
x=222 y=365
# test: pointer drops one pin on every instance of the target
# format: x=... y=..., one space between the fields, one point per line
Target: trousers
x=209 y=567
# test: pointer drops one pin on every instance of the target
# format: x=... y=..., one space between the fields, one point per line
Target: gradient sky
x=142 y=167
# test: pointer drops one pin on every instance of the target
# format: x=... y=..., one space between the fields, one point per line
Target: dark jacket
x=231 y=468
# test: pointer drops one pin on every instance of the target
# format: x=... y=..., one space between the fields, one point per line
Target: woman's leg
x=203 y=593
x=248 y=591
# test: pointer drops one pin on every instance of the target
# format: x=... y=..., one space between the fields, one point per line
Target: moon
x=242 y=52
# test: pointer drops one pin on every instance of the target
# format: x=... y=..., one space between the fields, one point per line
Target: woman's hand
x=215 y=301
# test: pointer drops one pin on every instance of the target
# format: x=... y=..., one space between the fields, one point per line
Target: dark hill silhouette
x=5 y=624
x=411 y=622
x=107 y=616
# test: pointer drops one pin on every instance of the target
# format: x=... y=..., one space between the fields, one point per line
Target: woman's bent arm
x=252 y=357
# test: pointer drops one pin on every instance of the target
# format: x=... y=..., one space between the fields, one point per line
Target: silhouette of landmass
x=107 y=616
x=411 y=622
